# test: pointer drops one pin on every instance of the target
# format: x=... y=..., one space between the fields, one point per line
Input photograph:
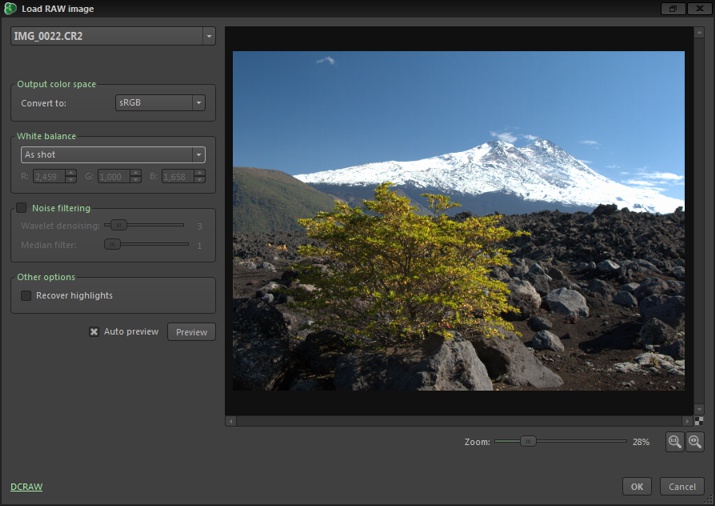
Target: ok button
x=636 y=486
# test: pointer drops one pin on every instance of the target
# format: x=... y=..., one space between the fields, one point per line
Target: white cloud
x=590 y=142
x=657 y=177
x=504 y=136
x=661 y=176
x=529 y=137
x=644 y=185
x=640 y=182
x=656 y=181
x=327 y=59
x=614 y=166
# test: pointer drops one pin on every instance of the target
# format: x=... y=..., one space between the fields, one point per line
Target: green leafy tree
x=388 y=275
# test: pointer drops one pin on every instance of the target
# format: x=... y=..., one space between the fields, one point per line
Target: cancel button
x=192 y=332
x=682 y=486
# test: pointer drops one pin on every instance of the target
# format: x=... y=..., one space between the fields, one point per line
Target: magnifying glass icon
x=695 y=441
x=675 y=441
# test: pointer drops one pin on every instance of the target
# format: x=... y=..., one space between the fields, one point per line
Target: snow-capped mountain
x=539 y=172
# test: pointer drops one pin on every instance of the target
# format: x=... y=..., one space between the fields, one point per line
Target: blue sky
x=622 y=113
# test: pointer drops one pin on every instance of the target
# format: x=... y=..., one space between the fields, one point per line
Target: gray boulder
x=608 y=266
x=507 y=359
x=626 y=367
x=626 y=299
x=629 y=287
x=556 y=274
x=675 y=349
x=260 y=362
x=655 y=332
x=663 y=362
x=678 y=273
x=538 y=323
x=268 y=288
x=666 y=308
x=540 y=282
x=675 y=287
x=499 y=274
x=518 y=269
x=650 y=286
x=567 y=302
x=602 y=287
x=647 y=265
x=524 y=297
x=536 y=270
x=267 y=266
x=444 y=365
x=545 y=340
x=255 y=317
x=322 y=349
x=604 y=210
x=586 y=266
x=261 y=353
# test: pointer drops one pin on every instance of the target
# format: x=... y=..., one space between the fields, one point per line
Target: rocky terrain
x=599 y=298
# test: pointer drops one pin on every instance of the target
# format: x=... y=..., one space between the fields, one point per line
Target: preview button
x=192 y=332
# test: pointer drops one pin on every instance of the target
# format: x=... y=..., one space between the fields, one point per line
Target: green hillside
x=270 y=200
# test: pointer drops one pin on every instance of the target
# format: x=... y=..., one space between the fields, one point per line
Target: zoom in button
x=674 y=441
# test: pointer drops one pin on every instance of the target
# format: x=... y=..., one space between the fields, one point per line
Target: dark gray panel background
x=141 y=419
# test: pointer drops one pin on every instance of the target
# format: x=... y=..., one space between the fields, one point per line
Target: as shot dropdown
x=114 y=155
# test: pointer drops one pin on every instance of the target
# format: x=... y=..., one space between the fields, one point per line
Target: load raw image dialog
x=595 y=290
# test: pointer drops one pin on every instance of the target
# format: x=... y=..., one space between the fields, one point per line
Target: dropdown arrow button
x=209 y=35
x=199 y=103
x=199 y=154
